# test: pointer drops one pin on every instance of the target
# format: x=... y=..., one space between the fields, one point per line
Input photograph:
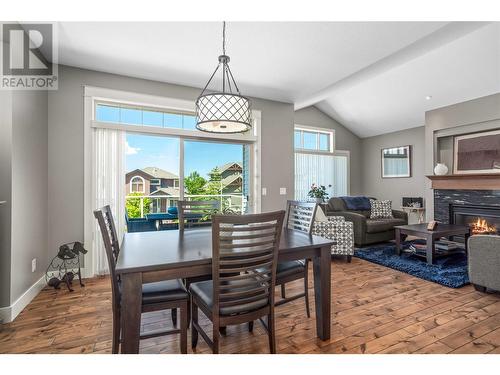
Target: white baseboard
x=8 y=314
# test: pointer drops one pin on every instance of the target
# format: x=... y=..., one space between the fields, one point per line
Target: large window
x=317 y=162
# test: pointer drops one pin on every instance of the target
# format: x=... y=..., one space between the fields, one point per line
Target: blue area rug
x=450 y=271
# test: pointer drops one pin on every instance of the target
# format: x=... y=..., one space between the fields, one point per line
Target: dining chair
x=193 y=214
x=196 y=214
x=299 y=216
x=157 y=296
x=245 y=253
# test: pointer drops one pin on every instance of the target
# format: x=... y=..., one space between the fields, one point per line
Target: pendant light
x=225 y=111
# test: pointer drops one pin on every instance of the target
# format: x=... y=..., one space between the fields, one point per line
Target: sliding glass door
x=216 y=171
x=152 y=182
x=211 y=171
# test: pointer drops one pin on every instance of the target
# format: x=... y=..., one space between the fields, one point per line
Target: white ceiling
x=371 y=76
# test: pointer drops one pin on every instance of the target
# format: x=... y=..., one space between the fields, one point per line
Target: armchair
x=484 y=262
x=337 y=228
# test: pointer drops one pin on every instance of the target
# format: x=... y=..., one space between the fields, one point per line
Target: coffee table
x=420 y=230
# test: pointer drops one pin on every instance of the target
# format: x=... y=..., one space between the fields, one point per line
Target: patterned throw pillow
x=381 y=209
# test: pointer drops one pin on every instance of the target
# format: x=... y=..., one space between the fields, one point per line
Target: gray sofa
x=484 y=262
x=367 y=231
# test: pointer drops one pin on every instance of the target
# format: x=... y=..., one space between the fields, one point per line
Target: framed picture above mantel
x=477 y=153
x=396 y=162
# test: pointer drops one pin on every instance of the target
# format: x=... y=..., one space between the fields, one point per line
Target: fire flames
x=481 y=226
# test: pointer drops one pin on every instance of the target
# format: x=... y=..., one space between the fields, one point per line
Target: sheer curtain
x=108 y=186
x=320 y=170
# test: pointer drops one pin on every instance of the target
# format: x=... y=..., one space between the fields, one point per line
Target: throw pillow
x=381 y=209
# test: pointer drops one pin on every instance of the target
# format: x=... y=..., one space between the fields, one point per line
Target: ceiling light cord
x=223 y=37
x=227 y=76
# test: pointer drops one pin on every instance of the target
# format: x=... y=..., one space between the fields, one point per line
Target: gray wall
x=23 y=184
x=471 y=114
x=66 y=145
x=29 y=189
x=393 y=188
x=344 y=140
x=5 y=194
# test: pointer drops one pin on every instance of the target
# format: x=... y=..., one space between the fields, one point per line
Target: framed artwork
x=396 y=162
x=477 y=153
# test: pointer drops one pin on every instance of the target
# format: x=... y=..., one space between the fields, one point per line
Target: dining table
x=147 y=257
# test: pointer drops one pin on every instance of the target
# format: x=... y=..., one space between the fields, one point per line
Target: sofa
x=484 y=262
x=366 y=231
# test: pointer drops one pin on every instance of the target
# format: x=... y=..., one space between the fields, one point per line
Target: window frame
x=95 y=94
x=318 y=131
x=155 y=183
x=333 y=150
x=131 y=184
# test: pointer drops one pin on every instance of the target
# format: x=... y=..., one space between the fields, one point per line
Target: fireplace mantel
x=483 y=181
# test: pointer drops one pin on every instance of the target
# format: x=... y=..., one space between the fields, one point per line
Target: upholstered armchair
x=484 y=262
x=336 y=228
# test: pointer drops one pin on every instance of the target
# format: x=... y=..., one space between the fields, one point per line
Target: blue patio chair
x=139 y=224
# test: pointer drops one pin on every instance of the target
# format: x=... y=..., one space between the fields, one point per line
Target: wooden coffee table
x=420 y=230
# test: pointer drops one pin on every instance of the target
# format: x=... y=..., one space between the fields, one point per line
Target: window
x=155 y=181
x=313 y=139
x=137 y=184
x=144 y=117
x=316 y=162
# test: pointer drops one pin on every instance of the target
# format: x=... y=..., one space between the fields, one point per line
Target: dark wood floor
x=375 y=310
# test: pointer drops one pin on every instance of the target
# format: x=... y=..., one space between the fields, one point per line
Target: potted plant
x=318 y=192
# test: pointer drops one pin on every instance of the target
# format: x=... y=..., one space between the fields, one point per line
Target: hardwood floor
x=375 y=310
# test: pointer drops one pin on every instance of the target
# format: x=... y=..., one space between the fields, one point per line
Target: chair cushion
x=288 y=267
x=205 y=292
x=382 y=225
x=163 y=291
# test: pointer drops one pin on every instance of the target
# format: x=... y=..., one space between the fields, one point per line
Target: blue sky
x=163 y=152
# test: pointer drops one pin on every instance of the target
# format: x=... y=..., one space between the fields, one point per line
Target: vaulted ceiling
x=373 y=77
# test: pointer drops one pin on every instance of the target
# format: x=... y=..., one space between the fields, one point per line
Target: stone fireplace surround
x=443 y=199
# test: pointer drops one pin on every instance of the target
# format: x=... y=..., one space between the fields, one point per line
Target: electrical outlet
x=264 y=191
x=33 y=265
x=282 y=191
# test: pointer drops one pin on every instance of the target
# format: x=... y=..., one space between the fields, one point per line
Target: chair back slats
x=245 y=253
x=196 y=213
x=111 y=245
x=300 y=215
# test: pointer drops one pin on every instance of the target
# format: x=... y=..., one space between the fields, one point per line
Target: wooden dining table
x=147 y=257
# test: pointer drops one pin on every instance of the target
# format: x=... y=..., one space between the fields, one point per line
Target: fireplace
x=483 y=219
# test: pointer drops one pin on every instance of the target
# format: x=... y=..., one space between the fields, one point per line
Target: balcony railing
x=144 y=204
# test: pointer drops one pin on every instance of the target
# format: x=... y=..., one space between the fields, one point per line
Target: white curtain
x=320 y=170
x=108 y=186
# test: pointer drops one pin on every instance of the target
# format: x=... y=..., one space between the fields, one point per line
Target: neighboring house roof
x=156 y=172
x=222 y=168
x=167 y=191
x=159 y=173
x=230 y=179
